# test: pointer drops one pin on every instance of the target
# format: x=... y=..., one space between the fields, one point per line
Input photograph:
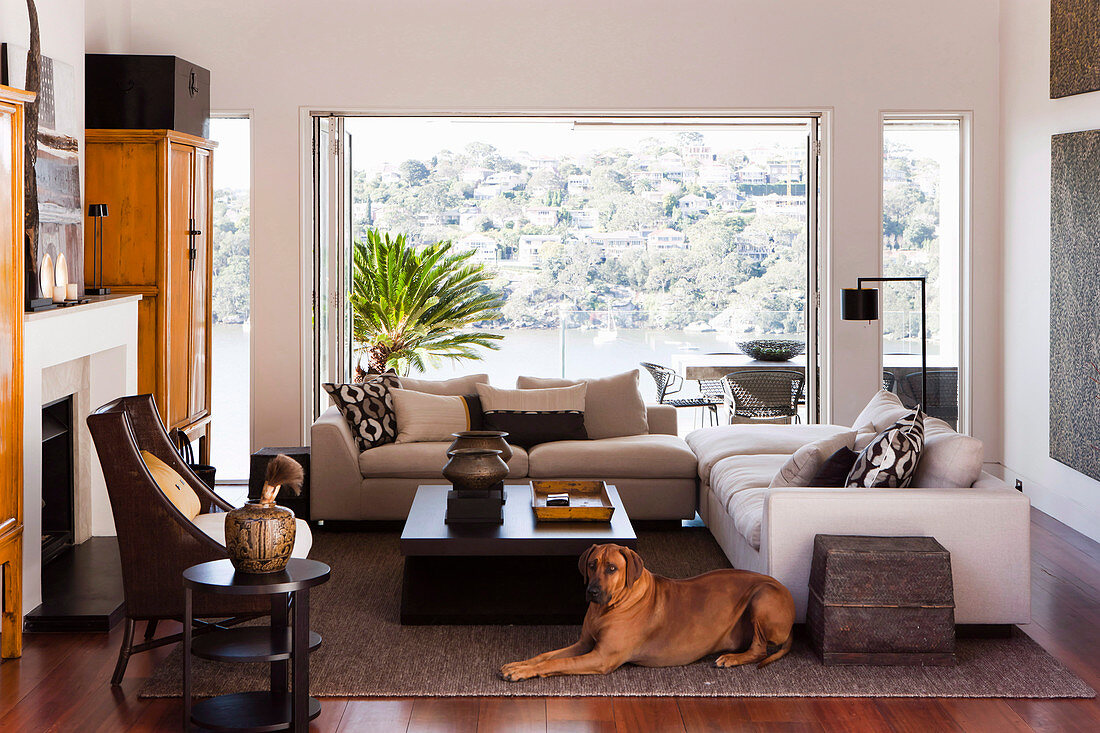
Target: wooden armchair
x=156 y=541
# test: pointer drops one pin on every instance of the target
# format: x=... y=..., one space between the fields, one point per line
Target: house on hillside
x=752 y=175
x=692 y=204
x=665 y=239
x=715 y=174
x=586 y=218
x=531 y=244
x=785 y=170
x=475 y=174
x=616 y=243
x=543 y=216
x=578 y=183
x=484 y=246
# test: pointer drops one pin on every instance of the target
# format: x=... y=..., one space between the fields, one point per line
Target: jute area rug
x=367 y=653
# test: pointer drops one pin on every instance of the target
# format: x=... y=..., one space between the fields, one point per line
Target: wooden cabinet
x=158 y=188
x=11 y=369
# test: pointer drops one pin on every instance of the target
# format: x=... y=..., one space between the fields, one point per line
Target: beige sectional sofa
x=655 y=472
x=982 y=522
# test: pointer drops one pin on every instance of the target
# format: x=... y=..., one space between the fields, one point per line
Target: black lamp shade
x=859 y=304
x=97 y=210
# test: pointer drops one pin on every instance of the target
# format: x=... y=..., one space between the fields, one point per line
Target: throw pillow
x=368 y=409
x=890 y=460
x=533 y=416
x=172 y=485
x=613 y=406
x=949 y=459
x=803 y=465
x=834 y=471
x=431 y=418
x=456 y=387
x=884 y=409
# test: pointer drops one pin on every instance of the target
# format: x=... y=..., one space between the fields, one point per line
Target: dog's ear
x=634 y=565
x=582 y=563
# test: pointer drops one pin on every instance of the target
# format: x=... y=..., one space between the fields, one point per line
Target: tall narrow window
x=921 y=236
x=231 y=441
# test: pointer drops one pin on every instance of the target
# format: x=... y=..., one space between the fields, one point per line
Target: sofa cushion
x=423 y=417
x=803 y=465
x=735 y=474
x=613 y=406
x=422 y=460
x=713 y=444
x=455 y=387
x=631 y=456
x=949 y=460
x=533 y=416
x=747 y=510
x=890 y=461
x=213 y=526
x=881 y=412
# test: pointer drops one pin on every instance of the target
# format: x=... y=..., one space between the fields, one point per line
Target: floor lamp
x=861 y=304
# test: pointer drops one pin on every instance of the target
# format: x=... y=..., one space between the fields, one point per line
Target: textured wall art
x=57 y=160
x=1074 y=47
x=1075 y=301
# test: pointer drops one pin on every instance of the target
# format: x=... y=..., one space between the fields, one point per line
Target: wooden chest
x=881 y=600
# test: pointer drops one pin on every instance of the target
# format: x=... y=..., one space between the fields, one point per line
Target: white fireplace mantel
x=89 y=351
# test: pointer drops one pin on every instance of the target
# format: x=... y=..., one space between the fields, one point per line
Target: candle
x=59 y=293
x=61 y=274
x=71 y=291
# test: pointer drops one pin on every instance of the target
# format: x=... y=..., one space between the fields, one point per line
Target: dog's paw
x=516 y=671
x=731 y=660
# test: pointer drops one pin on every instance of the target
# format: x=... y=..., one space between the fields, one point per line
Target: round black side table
x=285 y=644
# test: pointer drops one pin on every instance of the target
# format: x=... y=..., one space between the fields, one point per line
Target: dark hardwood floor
x=61 y=684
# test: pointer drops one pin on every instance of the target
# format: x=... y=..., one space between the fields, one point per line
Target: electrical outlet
x=1019 y=485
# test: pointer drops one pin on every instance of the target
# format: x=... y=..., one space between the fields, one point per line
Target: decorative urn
x=259 y=536
x=491 y=439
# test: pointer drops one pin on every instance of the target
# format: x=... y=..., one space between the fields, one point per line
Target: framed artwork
x=1074 y=47
x=1075 y=301
x=57 y=167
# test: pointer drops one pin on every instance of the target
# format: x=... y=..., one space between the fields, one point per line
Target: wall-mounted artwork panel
x=1074 y=47
x=1075 y=301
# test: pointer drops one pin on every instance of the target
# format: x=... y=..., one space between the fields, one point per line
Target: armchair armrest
x=986 y=530
x=335 y=478
x=661 y=419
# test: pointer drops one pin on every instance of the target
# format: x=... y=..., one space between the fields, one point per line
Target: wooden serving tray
x=588 y=501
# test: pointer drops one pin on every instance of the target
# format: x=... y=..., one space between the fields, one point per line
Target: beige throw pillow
x=613 y=406
x=949 y=460
x=803 y=465
x=533 y=416
x=881 y=412
x=429 y=418
x=456 y=387
x=172 y=485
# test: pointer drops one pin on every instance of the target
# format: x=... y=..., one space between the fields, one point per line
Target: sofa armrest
x=335 y=479
x=661 y=419
x=986 y=530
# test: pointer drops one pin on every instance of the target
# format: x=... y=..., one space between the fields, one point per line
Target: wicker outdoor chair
x=157 y=542
x=669 y=382
x=942 y=400
x=763 y=395
x=889 y=380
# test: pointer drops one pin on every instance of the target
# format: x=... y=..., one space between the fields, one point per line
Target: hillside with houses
x=666 y=235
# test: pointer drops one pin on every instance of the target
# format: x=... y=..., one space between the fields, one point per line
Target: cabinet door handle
x=194 y=232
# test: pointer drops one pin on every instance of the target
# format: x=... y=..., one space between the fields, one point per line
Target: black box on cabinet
x=146 y=93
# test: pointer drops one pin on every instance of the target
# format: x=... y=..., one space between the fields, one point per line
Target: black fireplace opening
x=57 y=479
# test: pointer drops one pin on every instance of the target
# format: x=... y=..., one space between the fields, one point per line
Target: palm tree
x=411 y=305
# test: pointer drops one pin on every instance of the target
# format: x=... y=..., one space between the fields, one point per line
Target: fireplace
x=58 y=503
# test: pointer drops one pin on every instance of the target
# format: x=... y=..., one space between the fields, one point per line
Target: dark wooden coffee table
x=519 y=572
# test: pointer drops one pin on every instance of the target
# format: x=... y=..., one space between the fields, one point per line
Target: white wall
x=857 y=58
x=1029 y=118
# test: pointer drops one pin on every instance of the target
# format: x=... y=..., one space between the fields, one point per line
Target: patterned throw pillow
x=890 y=460
x=368 y=408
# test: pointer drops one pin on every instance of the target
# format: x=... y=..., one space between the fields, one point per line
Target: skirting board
x=1073 y=514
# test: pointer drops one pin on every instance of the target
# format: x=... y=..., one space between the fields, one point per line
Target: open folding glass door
x=814 y=336
x=331 y=256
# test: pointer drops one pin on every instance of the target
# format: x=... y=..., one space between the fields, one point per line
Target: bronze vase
x=474 y=469
x=259 y=537
x=491 y=439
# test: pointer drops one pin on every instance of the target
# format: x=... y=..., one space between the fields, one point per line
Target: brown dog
x=638 y=617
